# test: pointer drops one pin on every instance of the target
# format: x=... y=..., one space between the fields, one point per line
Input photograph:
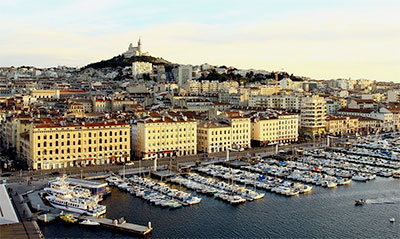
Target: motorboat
x=114 y=180
x=360 y=202
x=46 y=217
x=359 y=178
x=392 y=219
x=88 y=222
x=331 y=184
x=236 y=199
x=68 y=218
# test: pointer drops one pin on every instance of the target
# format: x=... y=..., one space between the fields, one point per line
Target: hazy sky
x=322 y=39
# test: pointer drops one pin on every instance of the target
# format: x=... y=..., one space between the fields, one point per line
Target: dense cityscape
x=65 y=117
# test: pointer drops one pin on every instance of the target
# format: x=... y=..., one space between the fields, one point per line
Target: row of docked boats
x=346 y=162
x=157 y=193
x=272 y=184
x=294 y=173
x=74 y=199
x=372 y=164
x=334 y=165
x=379 y=146
x=230 y=193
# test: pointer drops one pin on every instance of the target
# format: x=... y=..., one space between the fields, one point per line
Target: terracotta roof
x=71 y=91
x=58 y=125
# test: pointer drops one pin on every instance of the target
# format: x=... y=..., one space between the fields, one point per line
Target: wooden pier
x=125 y=227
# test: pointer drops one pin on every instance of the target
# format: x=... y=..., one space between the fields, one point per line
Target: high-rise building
x=183 y=73
x=312 y=116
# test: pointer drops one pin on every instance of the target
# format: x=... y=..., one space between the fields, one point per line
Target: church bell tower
x=140 y=46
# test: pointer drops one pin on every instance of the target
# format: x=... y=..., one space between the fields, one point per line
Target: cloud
x=322 y=44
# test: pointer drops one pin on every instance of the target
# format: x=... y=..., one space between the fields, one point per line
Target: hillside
x=121 y=61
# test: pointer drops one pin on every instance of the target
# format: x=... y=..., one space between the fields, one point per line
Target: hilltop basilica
x=135 y=51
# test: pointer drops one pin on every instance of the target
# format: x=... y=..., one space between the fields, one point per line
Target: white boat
x=113 y=180
x=78 y=200
x=236 y=199
x=124 y=186
x=359 y=178
x=79 y=205
x=392 y=219
x=87 y=222
x=331 y=184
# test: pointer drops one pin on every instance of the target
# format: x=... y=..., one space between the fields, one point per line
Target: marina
x=330 y=210
x=316 y=176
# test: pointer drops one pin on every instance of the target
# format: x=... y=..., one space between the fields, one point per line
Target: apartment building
x=213 y=136
x=278 y=128
x=241 y=131
x=164 y=136
x=342 y=125
x=63 y=144
x=313 y=114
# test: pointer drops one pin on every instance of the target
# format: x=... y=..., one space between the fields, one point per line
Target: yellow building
x=100 y=105
x=61 y=145
x=213 y=136
x=241 y=131
x=313 y=114
x=14 y=127
x=77 y=108
x=164 y=136
x=45 y=94
x=341 y=125
x=279 y=128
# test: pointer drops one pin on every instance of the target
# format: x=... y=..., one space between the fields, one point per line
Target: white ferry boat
x=79 y=205
x=63 y=197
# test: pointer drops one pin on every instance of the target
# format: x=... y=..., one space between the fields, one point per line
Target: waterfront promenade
x=94 y=170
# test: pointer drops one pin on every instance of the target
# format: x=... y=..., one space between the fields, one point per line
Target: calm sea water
x=325 y=213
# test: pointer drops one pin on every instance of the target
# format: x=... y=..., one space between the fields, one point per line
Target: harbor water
x=326 y=212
